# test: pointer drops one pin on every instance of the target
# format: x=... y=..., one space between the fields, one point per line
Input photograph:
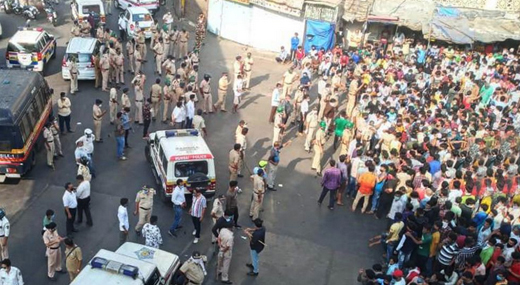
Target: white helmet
x=87 y=131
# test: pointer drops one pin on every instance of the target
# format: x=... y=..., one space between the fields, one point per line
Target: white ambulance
x=181 y=154
x=130 y=264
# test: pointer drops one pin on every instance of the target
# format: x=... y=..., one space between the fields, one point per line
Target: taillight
x=132 y=27
x=103 y=19
x=63 y=62
x=91 y=65
x=39 y=56
x=169 y=189
x=11 y=170
x=7 y=56
x=212 y=184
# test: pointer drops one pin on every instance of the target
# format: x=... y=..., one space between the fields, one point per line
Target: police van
x=181 y=154
x=130 y=264
x=30 y=48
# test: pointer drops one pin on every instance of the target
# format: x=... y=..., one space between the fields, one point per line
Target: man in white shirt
x=83 y=196
x=190 y=112
x=178 y=116
x=71 y=204
x=275 y=101
x=179 y=202
x=122 y=216
x=237 y=90
x=10 y=275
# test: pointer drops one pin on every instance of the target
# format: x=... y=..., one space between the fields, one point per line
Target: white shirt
x=454 y=193
x=69 y=200
x=275 y=98
x=190 y=108
x=178 y=196
x=14 y=277
x=304 y=107
x=237 y=88
x=88 y=143
x=83 y=190
x=4 y=227
x=80 y=152
x=177 y=115
x=121 y=23
x=122 y=216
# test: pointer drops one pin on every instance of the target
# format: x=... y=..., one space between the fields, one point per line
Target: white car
x=151 y=5
x=138 y=17
x=83 y=49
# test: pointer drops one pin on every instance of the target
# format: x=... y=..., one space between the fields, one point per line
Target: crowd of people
x=428 y=140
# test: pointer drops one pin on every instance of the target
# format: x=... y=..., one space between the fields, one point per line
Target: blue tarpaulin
x=319 y=34
x=448 y=12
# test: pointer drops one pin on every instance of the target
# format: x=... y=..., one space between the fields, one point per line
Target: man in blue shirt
x=295 y=42
x=125 y=120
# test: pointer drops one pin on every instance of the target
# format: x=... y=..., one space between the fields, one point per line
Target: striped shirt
x=447 y=253
x=198 y=204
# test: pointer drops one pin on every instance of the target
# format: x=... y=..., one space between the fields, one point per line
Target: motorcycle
x=52 y=16
x=8 y=6
x=29 y=11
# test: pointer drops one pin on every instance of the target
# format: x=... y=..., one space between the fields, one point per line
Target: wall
x=192 y=10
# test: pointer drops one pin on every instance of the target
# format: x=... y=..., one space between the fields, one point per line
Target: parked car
x=138 y=17
x=83 y=50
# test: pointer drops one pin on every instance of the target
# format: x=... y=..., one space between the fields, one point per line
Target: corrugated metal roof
x=356 y=10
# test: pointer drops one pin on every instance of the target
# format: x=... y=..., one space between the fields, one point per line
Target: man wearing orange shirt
x=366 y=182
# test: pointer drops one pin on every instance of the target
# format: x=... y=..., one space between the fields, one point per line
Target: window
x=39 y=101
x=141 y=18
x=86 y=9
x=6 y=137
x=188 y=168
x=127 y=15
x=154 y=278
x=22 y=47
x=26 y=127
x=82 y=57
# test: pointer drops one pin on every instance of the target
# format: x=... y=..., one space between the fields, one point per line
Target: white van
x=130 y=264
x=82 y=8
x=181 y=154
x=83 y=50
x=137 y=17
x=151 y=5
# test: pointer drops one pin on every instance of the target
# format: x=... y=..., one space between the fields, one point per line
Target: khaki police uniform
x=318 y=151
x=248 y=64
x=311 y=123
x=287 y=83
x=158 y=50
x=49 y=146
x=113 y=103
x=234 y=161
x=75 y=31
x=5 y=228
x=73 y=71
x=258 y=193
x=142 y=44
x=174 y=43
x=105 y=68
x=207 y=103
x=100 y=34
x=351 y=101
x=345 y=141
x=145 y=200
x=52 y=242
x=130 y=50
x=85 y=29
x=168 y=97
x=119 y=68
x=225 y=241
x=73 y=257
x=156 y=99
x=138 y=61
x=223 y=84
x=112 y=55
x=55 y=129
x=237 y=68
x=183 y=43
x=125 y=101
x=277 y=129
x=139 y=97
x=166 y=43
x=193 y=272
x=242 y=140
x=97 y=71
x=98 y=117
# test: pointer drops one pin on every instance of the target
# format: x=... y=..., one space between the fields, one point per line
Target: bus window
x=39 y=101
x=26 y=127
x=34 y=113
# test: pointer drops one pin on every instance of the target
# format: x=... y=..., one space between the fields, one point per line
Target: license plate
x=25 y=59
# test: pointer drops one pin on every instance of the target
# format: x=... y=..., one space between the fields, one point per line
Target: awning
x=382 y=19
x=466 y=26
x=409 y=13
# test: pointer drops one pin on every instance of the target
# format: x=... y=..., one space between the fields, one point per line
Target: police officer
x=97 y=70
x=193 y=270
x=75 y=31
x=130 y=50
x=319 y=142
x=238 y=66
x=155 y=95
x=248 y=64
x=5 y=229
x=105 y=68
x=49 y=144
x=125 y=100
x=205 y=92
x=158 y=50
x=52 y=241
x=223 y=84
x=225 y=244
x=234 y=161
x=169 y=94
x=311 y=123
x=119 y=67
x=174 y=40
x=98 y=114
x=138 y=59
x=74 y=72
x=85 y=29
x=143 y=207
x=141 y=40
x=183 y=43
x=166 y=39
x=139 y=97
x=10 y=275
x=258 y=194
x=169 y=67
x=55 y=129
x=112 y=104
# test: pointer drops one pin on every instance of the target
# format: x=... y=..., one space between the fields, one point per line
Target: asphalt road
x=306 y=244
